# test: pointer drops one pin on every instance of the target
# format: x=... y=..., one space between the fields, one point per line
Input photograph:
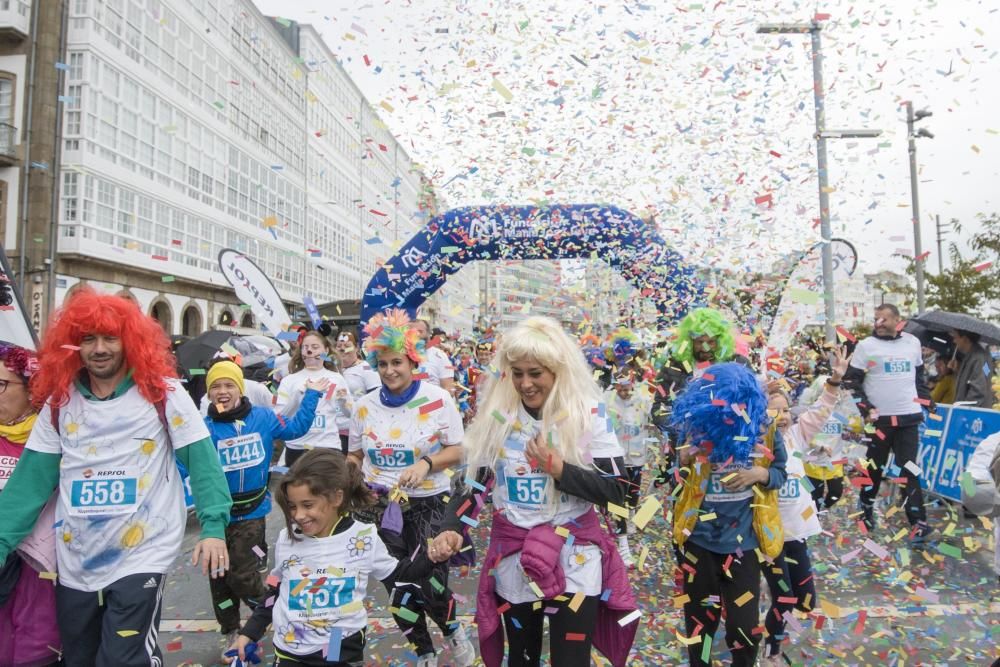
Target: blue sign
x=947 y=444
x=463 y=235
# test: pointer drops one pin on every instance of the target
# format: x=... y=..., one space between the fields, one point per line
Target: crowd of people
x=384 y=447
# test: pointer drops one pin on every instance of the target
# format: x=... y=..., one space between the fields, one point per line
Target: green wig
x=701 y=322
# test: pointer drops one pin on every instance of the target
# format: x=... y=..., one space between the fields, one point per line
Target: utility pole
x=822 y=134
x=918 y=251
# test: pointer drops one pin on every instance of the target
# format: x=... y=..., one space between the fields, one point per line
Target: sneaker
x=630 y=528
x=920 y=532
x=428 y=660
x=868 y=516
x=625 y=552
x=231 y=638
x=463 y=654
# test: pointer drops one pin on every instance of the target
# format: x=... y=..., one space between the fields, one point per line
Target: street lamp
x=918 y=262
x=822 y=134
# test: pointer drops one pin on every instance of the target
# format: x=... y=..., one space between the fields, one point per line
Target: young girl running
x=313 y=360
x=629 y=406
x=726 y=518
x=244 y=436
x=404 y=436
x=323 y=559
x=544 y=436
x=790 y=577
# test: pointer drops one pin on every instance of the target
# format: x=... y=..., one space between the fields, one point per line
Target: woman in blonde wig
x=543 y=438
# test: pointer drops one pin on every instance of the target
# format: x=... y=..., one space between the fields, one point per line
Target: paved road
x=883 y=603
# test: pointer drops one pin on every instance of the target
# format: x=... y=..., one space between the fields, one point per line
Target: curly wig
x=391 y=331
x=18 y=360
x=701 y=322
x=724 y=410
x=145 y=345
x=622 y=346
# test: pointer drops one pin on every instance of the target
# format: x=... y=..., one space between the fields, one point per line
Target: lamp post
x=822 y=134
x=918 y=262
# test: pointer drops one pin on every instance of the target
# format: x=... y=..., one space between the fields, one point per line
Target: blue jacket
x=732 y=530
x=246 y=446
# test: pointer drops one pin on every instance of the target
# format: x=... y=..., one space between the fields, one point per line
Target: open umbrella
x=198 y=352
x=940 y=320
x=938 y=341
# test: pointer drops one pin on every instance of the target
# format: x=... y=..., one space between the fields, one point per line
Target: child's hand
x=444 y=546
x=744 y=479
x=237 y=650
x=321 y=384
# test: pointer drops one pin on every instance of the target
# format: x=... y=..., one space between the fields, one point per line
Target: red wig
x=145 y=346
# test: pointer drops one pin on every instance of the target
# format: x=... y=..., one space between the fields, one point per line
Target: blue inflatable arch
x=463 y=235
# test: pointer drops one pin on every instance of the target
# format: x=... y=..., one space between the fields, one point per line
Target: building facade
x=190 y=126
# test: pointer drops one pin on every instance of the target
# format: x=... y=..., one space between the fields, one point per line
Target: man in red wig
x=113 y=417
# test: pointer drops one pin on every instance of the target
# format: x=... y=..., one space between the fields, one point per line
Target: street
x=917 y=607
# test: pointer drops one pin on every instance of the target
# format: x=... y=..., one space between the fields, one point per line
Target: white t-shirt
x=329 y=579
x=257 y=392
x=393 y=439
x=521 y=494
x=437 y=366
x=630 y=419
x=361 y=379
x=333 y=414
x=890 y=373
x=795 y=503
x=121 y=504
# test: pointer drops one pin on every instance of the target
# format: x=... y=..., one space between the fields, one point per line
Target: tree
x=965 y=287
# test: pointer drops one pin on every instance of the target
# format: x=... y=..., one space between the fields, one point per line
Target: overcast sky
x=682 y=110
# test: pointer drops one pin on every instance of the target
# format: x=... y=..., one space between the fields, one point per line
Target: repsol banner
x=254 y=289
x=463 y=235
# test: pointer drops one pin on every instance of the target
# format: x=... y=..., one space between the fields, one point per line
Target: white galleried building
x=196 y=125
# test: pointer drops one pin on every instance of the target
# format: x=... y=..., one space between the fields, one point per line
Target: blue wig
x=704 y=412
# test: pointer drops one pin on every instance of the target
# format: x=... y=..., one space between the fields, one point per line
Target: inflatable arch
x=463 y=235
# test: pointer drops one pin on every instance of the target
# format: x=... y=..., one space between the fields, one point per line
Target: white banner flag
x=255 y=290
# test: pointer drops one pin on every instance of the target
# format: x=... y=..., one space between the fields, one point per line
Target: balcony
x=10 y=151
x=15 y=17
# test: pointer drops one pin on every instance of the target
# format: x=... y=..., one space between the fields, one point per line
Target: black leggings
x=827 y=492
x=569 y=632
x=701 y=615
x=790 y=576
x=633 y=482
x=421 y=520
x=904 y=443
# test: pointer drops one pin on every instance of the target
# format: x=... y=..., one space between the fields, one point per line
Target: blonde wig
x=566 y=415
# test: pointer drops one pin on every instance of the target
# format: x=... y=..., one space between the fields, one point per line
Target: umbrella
x=198 y=352
x=940 y=320
x=935 y=340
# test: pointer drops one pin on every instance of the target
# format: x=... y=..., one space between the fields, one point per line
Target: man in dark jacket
x=973 y=375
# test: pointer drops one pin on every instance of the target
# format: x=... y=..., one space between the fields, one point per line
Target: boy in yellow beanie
x=244 y=436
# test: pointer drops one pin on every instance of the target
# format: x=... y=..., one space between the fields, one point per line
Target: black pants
x=826 y=492
x=292 y=455
x=352 y=654
x=421 y=520
x=702 y=615
x=243 y=580
x=633 y=483
x=569 y=632
x=904 y=443
x=90 y=623
x=791 y=576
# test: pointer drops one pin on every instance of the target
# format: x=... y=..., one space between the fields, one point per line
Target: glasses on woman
x=5 y=383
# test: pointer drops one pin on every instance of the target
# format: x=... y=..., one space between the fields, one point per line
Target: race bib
x=717 y=492
x=245 y=451
x=7 y=465
x=103 y=492
x=527 y=490
x=391 y=458
x=896 y=366
x=790 y=490
x=832 y=428
x=320 y=599
x=319 y=423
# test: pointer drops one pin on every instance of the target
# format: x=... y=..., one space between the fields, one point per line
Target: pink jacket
x=537 y=546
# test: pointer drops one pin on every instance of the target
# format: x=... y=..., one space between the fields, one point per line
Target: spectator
x=972 y=381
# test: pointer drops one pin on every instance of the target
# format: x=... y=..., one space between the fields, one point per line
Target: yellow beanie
x=226 y=370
